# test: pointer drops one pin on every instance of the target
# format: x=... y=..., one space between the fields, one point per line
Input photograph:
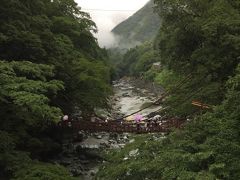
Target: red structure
x=121 y=127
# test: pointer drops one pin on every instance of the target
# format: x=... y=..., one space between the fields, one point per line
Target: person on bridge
x=138 y=118
x=106 y=120
x=65 y=118
x=65 y=121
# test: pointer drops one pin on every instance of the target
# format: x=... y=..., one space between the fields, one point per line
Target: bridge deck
x=121 y=127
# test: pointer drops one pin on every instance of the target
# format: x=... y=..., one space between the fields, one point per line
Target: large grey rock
x=115 y=146
x=125 y=137
x=134 y=153
x=132 y=141
x=99 y=137
x=125 y=95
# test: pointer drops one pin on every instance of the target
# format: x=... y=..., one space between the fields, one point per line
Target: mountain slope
x=140 y=27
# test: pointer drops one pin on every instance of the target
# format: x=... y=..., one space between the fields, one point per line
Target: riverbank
x=83 y=158
x=132 y=94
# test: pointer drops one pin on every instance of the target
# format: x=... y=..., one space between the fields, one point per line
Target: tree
x=55 y=33
x=206 y=148
x=199 y=38
x=27 y=89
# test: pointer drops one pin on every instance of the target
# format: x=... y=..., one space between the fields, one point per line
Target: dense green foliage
x=137 y=60
x=27 y=116
x=207 y=148
x=43 y=171
x=57 y=33
x=140 y=27
x=50 y=64
x=198 y=40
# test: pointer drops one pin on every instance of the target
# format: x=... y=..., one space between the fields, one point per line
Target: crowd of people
x=138 y=120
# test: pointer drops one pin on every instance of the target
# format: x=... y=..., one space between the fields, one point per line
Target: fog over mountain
x=109 y=13
x=140 y=27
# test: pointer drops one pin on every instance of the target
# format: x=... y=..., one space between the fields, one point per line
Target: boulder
x=99 y=137
x=134 y=153
x=132 y=141
x=125 y=95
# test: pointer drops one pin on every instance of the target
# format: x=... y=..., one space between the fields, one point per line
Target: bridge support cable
x=179 y=84
x=192 y=93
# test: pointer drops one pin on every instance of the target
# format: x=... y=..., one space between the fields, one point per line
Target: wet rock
x=93 y=146
x=113 y=136
x=125 y=137
x=82 y=157
x=122 y=145
x=99 y=137
x=115 y=146
x=76 y=172
x=134 y=153
x=112 y=141
x=104 y=145
x=80 y=136
x=85 y=162
x=92 y=173
x=156 y=117
x=132 y=141
x=125 y=95
x=128 y=173
x=66 y=162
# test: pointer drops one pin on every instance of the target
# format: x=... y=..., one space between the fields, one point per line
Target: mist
x=106 y=20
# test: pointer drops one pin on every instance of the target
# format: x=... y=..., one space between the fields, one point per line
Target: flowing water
x=83 y=160
x=129 y=99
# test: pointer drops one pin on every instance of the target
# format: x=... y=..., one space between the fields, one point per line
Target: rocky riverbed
x=83 y=158
x=128 y=98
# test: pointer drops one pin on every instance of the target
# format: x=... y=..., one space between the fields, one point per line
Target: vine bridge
x=163 y=125
x=147 y=126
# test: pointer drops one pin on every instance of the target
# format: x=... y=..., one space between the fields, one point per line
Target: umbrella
x=138 y=118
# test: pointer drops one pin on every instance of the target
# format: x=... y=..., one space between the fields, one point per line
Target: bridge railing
x=164 y=125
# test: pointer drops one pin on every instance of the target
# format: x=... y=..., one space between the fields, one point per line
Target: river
x=82 y=158
x=129 y=98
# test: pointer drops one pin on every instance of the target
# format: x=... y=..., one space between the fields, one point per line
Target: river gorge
x=83 y=158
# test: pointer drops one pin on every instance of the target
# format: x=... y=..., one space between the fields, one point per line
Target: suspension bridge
x=120 y=126
x=163 y=125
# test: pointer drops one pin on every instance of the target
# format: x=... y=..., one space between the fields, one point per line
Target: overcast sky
x=103 y=14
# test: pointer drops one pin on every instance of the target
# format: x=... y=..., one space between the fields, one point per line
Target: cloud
x=112 y=4
x=107 y=20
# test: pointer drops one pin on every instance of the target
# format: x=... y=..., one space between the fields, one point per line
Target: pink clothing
x=65 y=117
x=138 y=118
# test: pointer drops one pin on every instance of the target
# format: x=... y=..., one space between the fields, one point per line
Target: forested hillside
x=50 y=64
x=140 y=27
x=198 y=44
x=137 y=60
